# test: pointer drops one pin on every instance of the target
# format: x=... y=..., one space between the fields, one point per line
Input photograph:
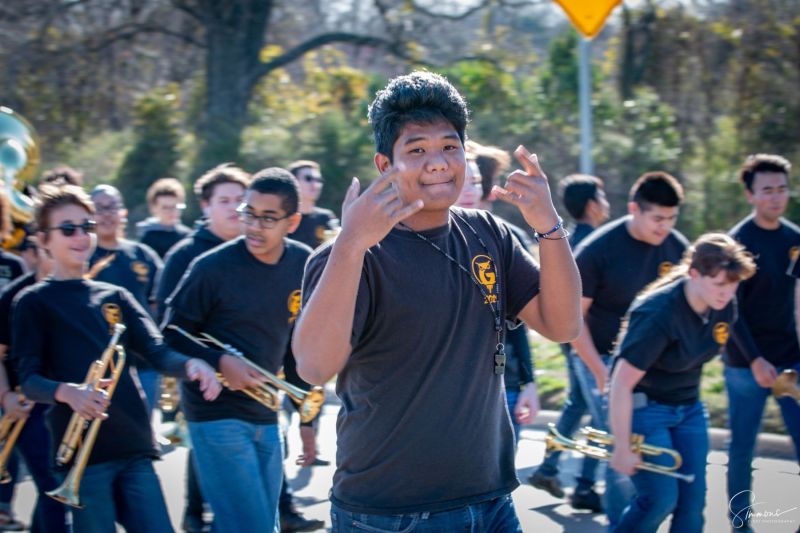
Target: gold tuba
x=555 y=441
x=308 y=402
x=19 y=159
x=9 y=433
x=786 y=385
x=69 y=491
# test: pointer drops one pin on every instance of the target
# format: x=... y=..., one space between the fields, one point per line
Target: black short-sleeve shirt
x=766 y=301
x=423 y=424
x=161 y=238
x=667 y=339
x=59 y=328
x=313 y=226
x=614 y=267
x=246 y=303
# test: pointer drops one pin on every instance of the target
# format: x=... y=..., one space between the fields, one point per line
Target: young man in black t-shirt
x=166 y=199
x=616 y=262
x=126 y=263
x=237 y=442
x=679 y=323
x=585 y=201
x=764 y=340
x=424 y=433
x=119 y=483
x=317 y=224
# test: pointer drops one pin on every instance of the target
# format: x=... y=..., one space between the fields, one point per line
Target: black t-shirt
x=177 y=262
x=161 y=238
x=11 y=267
x=766 y=326
x=579 y=233
x=667 y=339
x=134 y=267
x=59 y=329
x=423 y=424
x=614 y=267
x=6 y=298
x=244 y=302
x=313 y=226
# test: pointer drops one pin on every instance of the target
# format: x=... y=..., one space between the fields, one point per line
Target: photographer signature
x=741 y=518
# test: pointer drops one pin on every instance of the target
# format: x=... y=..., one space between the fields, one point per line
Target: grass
x=551 y=380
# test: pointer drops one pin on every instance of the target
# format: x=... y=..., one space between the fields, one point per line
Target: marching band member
x=678 y=324
x=60 y=326
x=245 y=293
x=424 y=436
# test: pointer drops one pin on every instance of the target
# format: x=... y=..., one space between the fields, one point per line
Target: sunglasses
x=68 y=229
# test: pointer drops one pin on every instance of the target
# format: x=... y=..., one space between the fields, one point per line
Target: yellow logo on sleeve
x=294 y=305
x=484 y=271
x=721 y=333
x=663 y=268
x=140 y=269
x=794 y=253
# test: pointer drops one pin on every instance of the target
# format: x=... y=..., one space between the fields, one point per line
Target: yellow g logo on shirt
x=721 y=333
x=663 y=268
x=141 y=270
x=294 y=305
x=112 y=314
x=484 y=271
x=794 y=253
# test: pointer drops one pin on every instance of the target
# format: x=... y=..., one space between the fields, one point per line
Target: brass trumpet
x=786 y=385
x=555 y=441
x=9 y=433
x=69 y=491
x=308 y=402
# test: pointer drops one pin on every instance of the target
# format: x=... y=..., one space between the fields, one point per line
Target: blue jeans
x=568 y=423
x=619 y=489
x=683 y=428
x=125 y=491
x=494 y=516
x=240 y=468
x=746 y=399
x=34 y=446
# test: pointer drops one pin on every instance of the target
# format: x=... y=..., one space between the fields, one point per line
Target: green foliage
x=155 y=153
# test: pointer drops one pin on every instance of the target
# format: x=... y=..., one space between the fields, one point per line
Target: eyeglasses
x=264 y=221
x=313 y=179
x=104 y=209
x=68 y=229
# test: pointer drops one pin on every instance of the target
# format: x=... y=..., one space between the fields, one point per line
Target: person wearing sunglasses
x=317 y=224
x=61 y=325
x=244 y=293
x=166 y=199
x=128 y=264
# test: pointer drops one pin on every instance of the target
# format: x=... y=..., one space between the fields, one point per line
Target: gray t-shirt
x=423 y=424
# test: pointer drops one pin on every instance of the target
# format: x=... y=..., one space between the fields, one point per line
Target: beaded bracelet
x=563 y=236
x=546 y=234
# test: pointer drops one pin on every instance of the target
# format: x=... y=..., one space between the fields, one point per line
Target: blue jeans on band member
x=619 y=489
x=125 y=491
x=240 y=468
x=34 y=446
x=494 y=516
x=683 y=428
x=746 y=399
x=568 y=423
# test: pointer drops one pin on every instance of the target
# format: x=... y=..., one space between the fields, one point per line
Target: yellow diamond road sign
x=588 y=16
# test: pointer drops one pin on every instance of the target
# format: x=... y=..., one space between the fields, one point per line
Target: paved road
x=777 y=487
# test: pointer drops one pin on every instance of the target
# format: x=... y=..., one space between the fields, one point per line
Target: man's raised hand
x=529 y=191
x=368 y=218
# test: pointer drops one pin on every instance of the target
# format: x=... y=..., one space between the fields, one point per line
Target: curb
x=768 y=445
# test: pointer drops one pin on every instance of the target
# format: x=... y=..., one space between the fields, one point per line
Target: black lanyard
x=499 y=354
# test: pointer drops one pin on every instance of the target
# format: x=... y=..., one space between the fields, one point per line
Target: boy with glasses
x=237 y=442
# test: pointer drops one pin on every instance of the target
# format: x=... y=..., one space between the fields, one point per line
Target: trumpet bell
x=66 y=494
x=786 y=385
x=311 y=404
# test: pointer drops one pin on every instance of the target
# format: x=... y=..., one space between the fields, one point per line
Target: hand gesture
x=529 y=191
x=85 y=401
x=199 y=370
x=764 y=372
x=239 y=374
x=527 y=406
x=16 y=406
x=368 y=218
